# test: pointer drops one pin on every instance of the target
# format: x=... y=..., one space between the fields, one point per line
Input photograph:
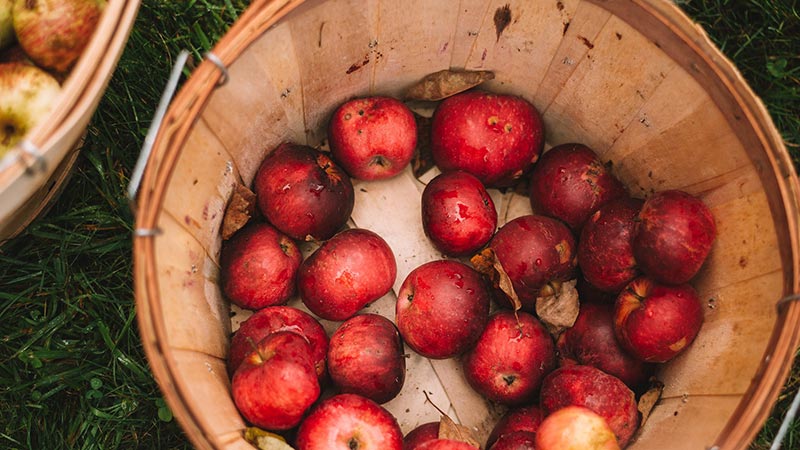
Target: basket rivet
x=218 y=62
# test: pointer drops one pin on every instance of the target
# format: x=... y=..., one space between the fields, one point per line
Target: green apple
x=7 y=35
x=29 y=93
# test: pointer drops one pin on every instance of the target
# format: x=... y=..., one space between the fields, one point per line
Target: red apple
x=516 y=440
x=54 y=33
x=303 y=193
x=590 y=387
x=352 y=269
x=570 y=182
x=442 y=308
x=523 y=418
x=592 y=341
x=278 y=318
x=373 y=138
x=349 y=422
x=673 y=236
x=259 y=267
x=445 y=444
x=366 y=358
x=495 y=137
x=457 y=213
x=510 y=359
x=655 y=321
x=421 y=434
x=575 y=428
x=605 y=249
x=535 y=251
x=277 y=383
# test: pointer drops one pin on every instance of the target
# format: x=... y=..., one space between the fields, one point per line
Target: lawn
x=72 y=370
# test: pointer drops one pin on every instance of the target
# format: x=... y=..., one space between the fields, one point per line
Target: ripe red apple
x=570 y=182
x=442 y=308
x=457 y=213
x=303 y=193
x=592 y=341
x=445 y=444
x=29 y=93
x=523 y=418
x=495 y=137
x=373 y=138
x=590 y=387
x=259 y=267
x=535 y=250
x=277 y=383
x=55 y=32
x=349 y=422
x=516 y=440
x=575 y=428
x=273 y=319
x=365 y=357
x=673 y=236
x=353 y=268
x=510 y=359
x=605 y=249
x=656 y=321
x=423 y=433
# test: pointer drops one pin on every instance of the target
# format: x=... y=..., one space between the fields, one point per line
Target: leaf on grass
x=486 y=262
x=558 y=310
x=423 y=156
x=264 y=440
x=649 y=399
x=239 y=211
x=444 y=83
x=448 y=429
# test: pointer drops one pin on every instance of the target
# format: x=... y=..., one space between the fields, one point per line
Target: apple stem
x=428 y=399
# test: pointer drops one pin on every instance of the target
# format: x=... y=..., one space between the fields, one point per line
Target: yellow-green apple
x=575 y=428
x=29 y=94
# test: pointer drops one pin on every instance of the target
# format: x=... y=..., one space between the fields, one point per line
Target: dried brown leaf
x=444 y=83
x=559 y=310
x=264 y=440
x=486 y=262
x=240 y=210
x=649 y=399
x=448 y=429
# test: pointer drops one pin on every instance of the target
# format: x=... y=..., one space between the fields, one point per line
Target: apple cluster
x=574 y=386
x=40 y=41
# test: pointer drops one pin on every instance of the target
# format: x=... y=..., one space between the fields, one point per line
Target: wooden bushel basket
x=636 y=80
x=30 y=181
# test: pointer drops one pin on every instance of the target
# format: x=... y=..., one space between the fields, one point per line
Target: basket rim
x=756 y=403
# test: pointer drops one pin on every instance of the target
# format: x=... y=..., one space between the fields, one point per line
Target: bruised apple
x=495 y=137
x=442 y=308
x=510 y=359
x=673 y=236
x=575 y=428
x=350 y=270
x=520 y=419
x=303 y=193
x=656 y=321
x=373 y=138
x=365 y=357
x=259 y=267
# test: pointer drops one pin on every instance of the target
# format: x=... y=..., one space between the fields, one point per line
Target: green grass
x=72 y=370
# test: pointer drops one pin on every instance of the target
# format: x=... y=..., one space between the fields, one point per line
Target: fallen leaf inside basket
x=455 y=432
x=649 y=399
x=486 y=262
x=559 y=310
x=444 y=83
x=240 y=210
x=264 y=440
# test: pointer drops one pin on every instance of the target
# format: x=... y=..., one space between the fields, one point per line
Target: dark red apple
x=421 y=434
x=278 y=318
x=592 y=341
x=605 y=249
x=570 y=182
x=673 y=236
x=656 y=321
x=510 y=359
x=277 y=383
x=349 y=422
x=590 y=387
x=575 y=428
x=366 y=358
x=373 y=138
x=523 y=418
x=535 y=250
x=303 y=193
x=258 y=267
x=495 y=137
x=352 y=269
x=445 y=444
x=442 y=308
x=516 y=440
x=457 y=213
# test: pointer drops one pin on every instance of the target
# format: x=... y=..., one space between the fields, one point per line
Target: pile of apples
x=570 y=387
x=40 y=41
